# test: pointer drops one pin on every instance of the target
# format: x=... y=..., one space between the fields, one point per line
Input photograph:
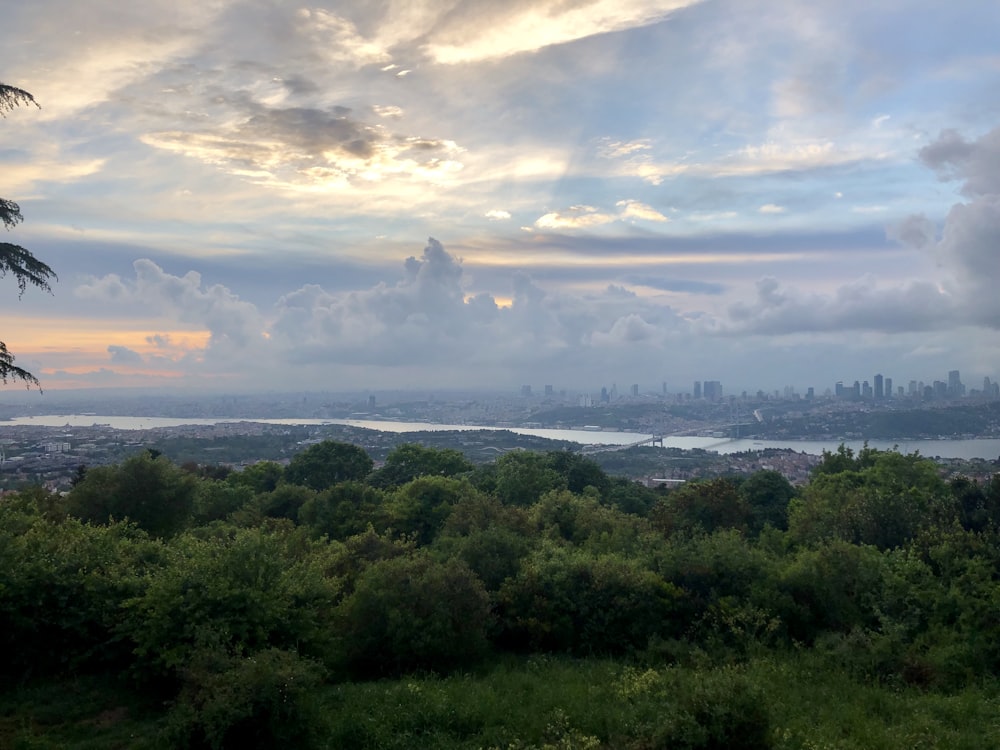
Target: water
x=147 y=423
x=985 y=448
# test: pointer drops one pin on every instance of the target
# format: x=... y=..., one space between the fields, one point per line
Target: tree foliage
x=26 y=269
x=410 y=461
x=152 y=492
x=325 y=464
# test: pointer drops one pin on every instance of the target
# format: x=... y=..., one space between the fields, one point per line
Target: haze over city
x=238 y=195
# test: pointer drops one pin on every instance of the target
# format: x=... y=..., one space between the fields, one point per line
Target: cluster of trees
x=232 y=595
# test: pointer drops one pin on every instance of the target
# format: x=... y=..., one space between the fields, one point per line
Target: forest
x=531 y=603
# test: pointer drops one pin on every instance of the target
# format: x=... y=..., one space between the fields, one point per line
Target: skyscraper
x=888 y=387
x=955 y=387
x=713 y=390
x=697 y=389
x=879 y=387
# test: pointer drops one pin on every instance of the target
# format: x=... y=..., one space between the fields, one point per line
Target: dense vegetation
x=534 y=602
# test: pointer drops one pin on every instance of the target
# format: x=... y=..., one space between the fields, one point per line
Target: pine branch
x=25 y=267
x=9 y=371
x=11 y=96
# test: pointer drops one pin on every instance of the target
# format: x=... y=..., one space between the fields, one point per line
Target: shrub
x=61 y=586
x=259 y=701
x=238 y=594
x=414 y=613
x=572 y=601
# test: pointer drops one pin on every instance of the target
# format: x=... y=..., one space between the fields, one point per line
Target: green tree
x=325 y=464
x=154 y=493
x=579 y=471
x=14 y=259
x=262 y=476
x=768 y=494
x=703 y=506
x=523 y=477
x=343 y=510
x=885 y=499
x=421 y=507
x=415 y=613
x=409 y=461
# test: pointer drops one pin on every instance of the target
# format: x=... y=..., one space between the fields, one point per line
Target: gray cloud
x=122 y=355
x=860 y=306
x=976 y=163
x=969 y=248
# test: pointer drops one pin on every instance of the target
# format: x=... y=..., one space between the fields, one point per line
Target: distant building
x=525 y=390
x=888 y=387
x=955 y=387
x=697 y=389
x=635 y=390
x=712 y=390
x=549 y=391
x=879 y=387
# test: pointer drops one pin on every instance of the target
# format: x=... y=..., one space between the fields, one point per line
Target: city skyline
x=244 y=195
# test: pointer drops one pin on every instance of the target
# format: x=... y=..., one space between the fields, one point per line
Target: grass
x=565 y=704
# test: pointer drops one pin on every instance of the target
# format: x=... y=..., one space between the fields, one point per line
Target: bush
x=259 y=701
x=61 y=586
x=414 y=613
x=720 y=710
x=238 y=594
x=570 y=601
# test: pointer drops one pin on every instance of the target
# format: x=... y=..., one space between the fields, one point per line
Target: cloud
x=968 y=248
x=632 y=209
x=477 y=32
x=122 y=355
x=232 y=323
x=496 y=214
x=771 y=208
x=976 y=163
x=576 y=217
x=862 y=305
x=338 y=40
x=584 y=217
x=329 y=148
x=686 y=286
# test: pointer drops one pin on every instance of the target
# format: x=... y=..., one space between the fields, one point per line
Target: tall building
x=879 y=387
x=955 y=387
x=635 y=390
x=525 y=390
x=713 y=390
x=549 y=391
x=697 y=389
x=888 y=387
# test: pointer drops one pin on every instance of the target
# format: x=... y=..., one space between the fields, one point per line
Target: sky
x=247 y=195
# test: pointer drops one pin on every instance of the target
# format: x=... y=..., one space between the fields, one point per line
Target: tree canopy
x=14 y=259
